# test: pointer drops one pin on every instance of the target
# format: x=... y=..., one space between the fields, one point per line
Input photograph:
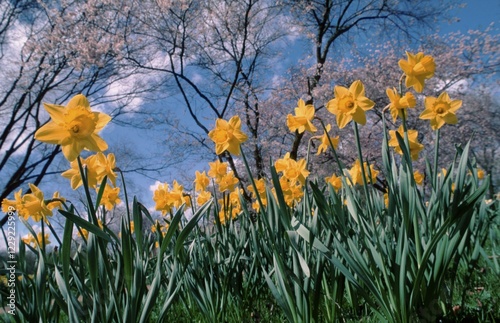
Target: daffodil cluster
x=227 y=183
x=97 y=167
x=415 y=146
x=161 y=227
x=356 y=173
x=40 y=239
x=33 y=205
x=230 y=205
x=294 y=174
x=75 y=127
x=261 y=194
x=439 y=111
x=167 y=199
x=201 y=183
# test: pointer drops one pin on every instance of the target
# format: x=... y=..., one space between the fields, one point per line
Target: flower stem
x=125 y=194
x=363 y=173
x=436 y=154
x=413 y=215
x=407 y=142
x=341 y=168
x=252 y=180
x=309 y=143
x=85 y=182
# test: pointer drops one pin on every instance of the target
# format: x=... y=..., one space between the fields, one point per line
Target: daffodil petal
x=78 y=100
x=343 y=119
x=455 y=105
x=70 y=152
x=340 y=91
x=365 y=103
x=429 y=101
x=427 y=114
x=357 y=89
x=97 y=143
x=332 y=106
x=51 y=133
x=450 y=118
x=55 y=111
x=102 y=120
x=391 y=94
x=405 y=66
x=235 y=122
x=359 y=116
x=240 y=136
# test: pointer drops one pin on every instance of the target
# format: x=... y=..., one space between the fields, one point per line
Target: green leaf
x=86 y=225
x=193 y=222
x=66 y=249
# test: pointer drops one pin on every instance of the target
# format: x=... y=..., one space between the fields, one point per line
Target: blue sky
x=477 y=14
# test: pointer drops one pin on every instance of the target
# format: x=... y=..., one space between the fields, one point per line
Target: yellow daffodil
x=110 y=197
x=293 y=191
x=386 y=199
x=325 y=143
x=350 y=104
x=73 y=174
x=164 y=229
x=223 y=217
x=227 y=135
x=234 y=197
x=419 y=177
x=105 y=166
x=400 y=104
x=13 y=205
x=74 y=127
x=440 y=110
x=203 y=197
x=161 y=198
x=178 y=195
x=335 y=181
x=261 y=188
x=34 y=205
x=82 y=233
x=302 y=120
x=154 y=226
x=480 y=174
x=356 y=173
x=201 y=182
x=231 y=207
x=292 y=170
x=217 y=170
x=29 y=239
x=417 y=69
x=40 y=239
x=415 y=146
x=261 y=192
x=56 y=202
x=28 y=205
x=166 y=199
x=228 y=182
